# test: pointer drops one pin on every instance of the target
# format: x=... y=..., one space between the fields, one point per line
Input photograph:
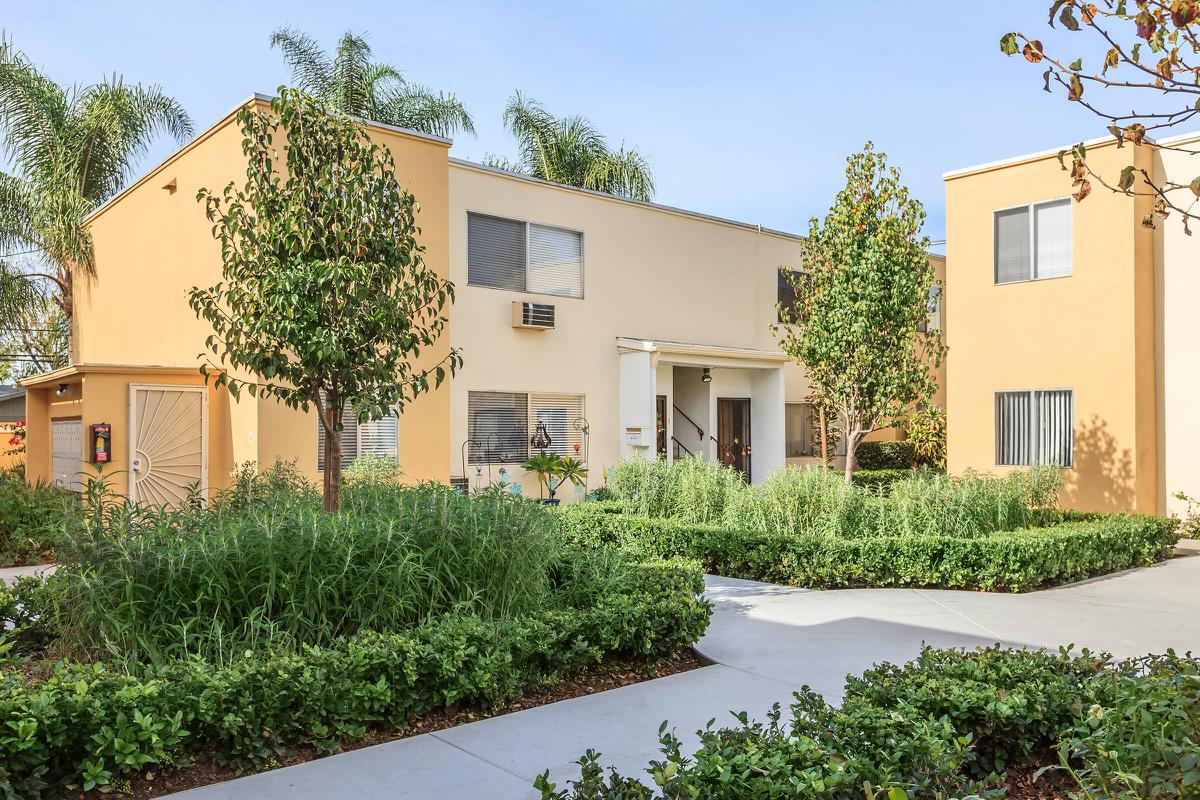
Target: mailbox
x=101 y=443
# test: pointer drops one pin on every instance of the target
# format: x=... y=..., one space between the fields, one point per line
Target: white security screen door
x=66 y=453
x=168 y=443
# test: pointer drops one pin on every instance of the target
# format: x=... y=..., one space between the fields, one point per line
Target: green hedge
x=881 y=478
x=885 y=455
x=1016 y=561
x=86 y=724
x=948 y=724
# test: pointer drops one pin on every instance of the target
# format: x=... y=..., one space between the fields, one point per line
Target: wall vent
x=534 y=316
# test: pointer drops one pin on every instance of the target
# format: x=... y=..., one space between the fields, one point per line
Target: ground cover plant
x=33 y=517
x=947 y=725
x=806 y=528
x=261 y=622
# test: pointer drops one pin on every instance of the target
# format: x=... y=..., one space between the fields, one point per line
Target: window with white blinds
x=1033 y=242
x=933 y=322
x=1035 y=428
x=376 y=437
x=523 y=257
x=500 y=425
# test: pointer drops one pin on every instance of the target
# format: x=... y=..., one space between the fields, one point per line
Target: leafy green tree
x=1150 y=81
x=861 y=298
x=570 y=150
x=71 y=149
x=352 y=83
x=326 y=299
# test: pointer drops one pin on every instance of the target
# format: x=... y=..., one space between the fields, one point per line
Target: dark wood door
x=660 y=411
x=733 y=433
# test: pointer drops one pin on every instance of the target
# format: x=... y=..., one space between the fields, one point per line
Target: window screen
x=558 y=413
x=1035 y=428
x=798 y=429
x=934 y=321
x=1012 y=245
x=497 y=424
x=785 y=296
x=555 y=261
x=1052 y=234
x=496 y=252
x=377 y=437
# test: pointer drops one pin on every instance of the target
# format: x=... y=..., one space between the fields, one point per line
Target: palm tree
x=354 y=84
x=71 y=149
x=570 y=150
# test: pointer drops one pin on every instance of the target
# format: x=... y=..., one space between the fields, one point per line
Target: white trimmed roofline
x=1101 y=140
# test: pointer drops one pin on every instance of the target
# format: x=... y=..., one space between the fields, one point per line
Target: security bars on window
x=1033 y=242
x=1035 y=428
x=523 y=256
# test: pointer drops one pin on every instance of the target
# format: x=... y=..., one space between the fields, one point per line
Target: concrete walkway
x=766 y=641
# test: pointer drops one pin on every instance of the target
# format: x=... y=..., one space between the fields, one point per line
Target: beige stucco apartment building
x=622 y=328
x=1073 y=329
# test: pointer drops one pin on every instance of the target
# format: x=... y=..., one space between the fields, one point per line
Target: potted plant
x=548 y=468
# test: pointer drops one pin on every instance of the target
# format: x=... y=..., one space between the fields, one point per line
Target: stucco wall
x=1177 y=267
x=648 y=273
x=153 y=245
x=1091 y=332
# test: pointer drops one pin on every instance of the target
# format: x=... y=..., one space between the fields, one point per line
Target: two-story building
x=621 y=328
x=1073 y=328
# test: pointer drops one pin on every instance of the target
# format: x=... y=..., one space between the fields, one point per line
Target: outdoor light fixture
x=63 y=390
x=541 y=437
x=707 y=376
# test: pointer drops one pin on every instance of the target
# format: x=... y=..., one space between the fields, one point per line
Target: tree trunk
x=824 y=442
x=852 y=440
x=332 y=485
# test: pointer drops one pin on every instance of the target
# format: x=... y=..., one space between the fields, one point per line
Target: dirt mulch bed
x=611 y=674
x=1020 y=784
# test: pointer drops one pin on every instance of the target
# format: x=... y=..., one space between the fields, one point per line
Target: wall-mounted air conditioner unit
x=534 y=316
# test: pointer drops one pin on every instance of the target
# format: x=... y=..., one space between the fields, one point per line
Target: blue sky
x=745 y=110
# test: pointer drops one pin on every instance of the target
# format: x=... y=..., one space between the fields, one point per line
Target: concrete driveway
x=765 y=641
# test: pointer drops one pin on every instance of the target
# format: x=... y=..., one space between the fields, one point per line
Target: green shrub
x=1018 y=560
x=32 y=518
x=880 y=479
x=885 y=455
x=66 y=727
x=926 y=432
x=266 y=568
x=1142 y=737
x=816 y=501
x=945 y=725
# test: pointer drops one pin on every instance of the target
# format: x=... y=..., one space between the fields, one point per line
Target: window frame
x=1033 y=428
x=528 y=224
x=530 y=419
x=1032 y=234
x=358 y=451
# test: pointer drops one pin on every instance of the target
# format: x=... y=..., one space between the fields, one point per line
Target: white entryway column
x=766 y=423
x=636 y=417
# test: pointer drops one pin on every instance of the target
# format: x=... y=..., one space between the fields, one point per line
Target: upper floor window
x=523 y=256
x=785 y=296
x=934 y=321
x=1033 y=242
x=1035 y=427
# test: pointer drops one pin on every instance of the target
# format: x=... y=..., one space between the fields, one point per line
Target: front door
x=733 y=433
x=660 y=412
x=168 y=444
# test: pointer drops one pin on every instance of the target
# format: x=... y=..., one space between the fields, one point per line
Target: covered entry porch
x=722 y=404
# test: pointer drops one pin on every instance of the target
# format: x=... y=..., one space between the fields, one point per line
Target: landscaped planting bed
x=262 y=623
x=32 y=519
x=806 y=528
x=951 y=724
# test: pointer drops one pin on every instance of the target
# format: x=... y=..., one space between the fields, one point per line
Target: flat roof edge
x=462 y=162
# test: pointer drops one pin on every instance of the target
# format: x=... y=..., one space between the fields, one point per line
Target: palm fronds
x=570 y=150
x=350 y=82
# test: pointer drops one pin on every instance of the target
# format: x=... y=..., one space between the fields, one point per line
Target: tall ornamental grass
x=263 y=567
x=814 y=501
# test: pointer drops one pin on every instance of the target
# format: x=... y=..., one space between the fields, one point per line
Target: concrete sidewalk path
x=766 y=641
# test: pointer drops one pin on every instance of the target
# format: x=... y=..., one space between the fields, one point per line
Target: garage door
x=168 y=445
x=66 y=436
